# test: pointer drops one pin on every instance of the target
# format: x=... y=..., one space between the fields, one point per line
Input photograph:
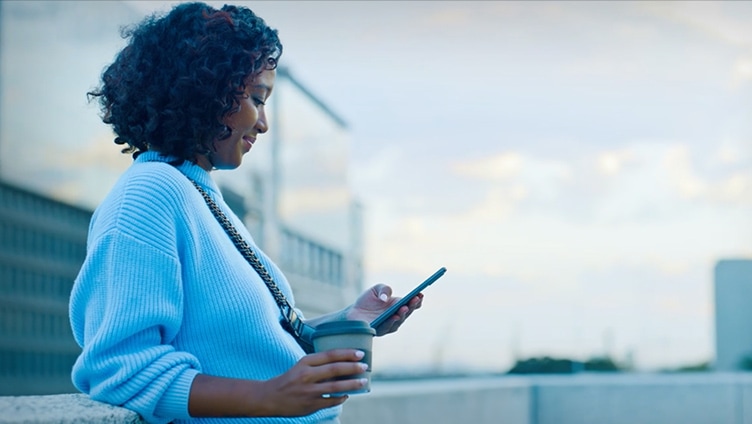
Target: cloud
x=613 y=162
x=734 y=187
x=741 y=74
x=646 y=202
x=711 y=18
x=493 y=168
x=379 y=166
x=314 y=200
x=729 y=155
x=498 y=203
x=678 y=165
x=514 y=175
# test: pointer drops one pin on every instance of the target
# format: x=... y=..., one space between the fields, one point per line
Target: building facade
x=57 y=161
x=733 y=316
x=42 y=245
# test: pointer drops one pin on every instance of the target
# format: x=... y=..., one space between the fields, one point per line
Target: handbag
x=291 y=322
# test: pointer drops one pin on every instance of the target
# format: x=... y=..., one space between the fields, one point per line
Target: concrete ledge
x=696 y=398
x=473 y=400
x=700 y=398
x=74 y=408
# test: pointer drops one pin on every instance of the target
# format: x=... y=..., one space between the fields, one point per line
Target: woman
x=173 y=321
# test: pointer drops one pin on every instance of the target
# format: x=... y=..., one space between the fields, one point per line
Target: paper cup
x=348 y=335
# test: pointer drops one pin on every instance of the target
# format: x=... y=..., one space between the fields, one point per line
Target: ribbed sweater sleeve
x=128 y=307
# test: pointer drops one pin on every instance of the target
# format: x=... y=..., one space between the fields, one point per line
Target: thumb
x=382 y=291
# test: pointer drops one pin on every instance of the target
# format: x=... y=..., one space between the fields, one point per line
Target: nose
x=262 y=125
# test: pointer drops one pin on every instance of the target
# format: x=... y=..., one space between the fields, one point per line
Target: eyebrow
x=261 y=86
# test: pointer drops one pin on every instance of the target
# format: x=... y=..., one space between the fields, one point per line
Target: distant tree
x=544 y=365
x=701 y=366
x=746 y=362
x=548 y=365
x=601 y=364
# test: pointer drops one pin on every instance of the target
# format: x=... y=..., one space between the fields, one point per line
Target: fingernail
x=363 y=381
x=383 y=297
x=360 y=354
x=364 y=366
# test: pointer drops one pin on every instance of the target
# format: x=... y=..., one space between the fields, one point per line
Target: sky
x=578 y=167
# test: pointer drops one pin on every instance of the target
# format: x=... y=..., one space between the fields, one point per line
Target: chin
x=227 y=165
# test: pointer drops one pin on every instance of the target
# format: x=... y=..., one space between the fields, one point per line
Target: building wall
x=42 y=245
x=733 y=316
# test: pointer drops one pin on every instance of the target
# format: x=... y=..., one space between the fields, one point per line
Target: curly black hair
x=180 y=74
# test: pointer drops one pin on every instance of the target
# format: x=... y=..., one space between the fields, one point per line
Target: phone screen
x=394 y=308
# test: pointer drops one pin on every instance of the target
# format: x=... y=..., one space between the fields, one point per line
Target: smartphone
x=394 y=308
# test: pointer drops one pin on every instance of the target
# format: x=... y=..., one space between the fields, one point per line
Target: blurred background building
x=57 y=161
x=733 y=316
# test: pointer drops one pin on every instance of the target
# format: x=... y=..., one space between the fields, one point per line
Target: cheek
x=245 y=118
x=252 y=117
x=221 y=145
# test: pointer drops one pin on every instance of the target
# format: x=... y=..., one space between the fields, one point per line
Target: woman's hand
x=301 y=390
x=376 y=300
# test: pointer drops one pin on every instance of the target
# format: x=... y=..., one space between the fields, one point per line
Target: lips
x=249 y=141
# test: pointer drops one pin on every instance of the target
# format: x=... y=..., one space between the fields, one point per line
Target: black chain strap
x=292 y=321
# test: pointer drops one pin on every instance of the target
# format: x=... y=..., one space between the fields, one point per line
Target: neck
x=205 y=162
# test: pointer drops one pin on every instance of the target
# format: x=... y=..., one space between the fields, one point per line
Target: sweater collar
x=187 y=168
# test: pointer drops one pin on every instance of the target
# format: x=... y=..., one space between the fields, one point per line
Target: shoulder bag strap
x=291 y=321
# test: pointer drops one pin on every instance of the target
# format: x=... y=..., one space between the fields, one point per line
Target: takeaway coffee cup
x=348 y=335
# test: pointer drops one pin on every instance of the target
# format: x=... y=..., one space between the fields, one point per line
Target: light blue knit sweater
x=164 y=295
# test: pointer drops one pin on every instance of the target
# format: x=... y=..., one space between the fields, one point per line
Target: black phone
x=394 y=308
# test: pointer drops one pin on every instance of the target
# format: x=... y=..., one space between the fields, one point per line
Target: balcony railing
x=304 y=256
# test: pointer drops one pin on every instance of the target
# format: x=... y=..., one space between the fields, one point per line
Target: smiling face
x=246 y=124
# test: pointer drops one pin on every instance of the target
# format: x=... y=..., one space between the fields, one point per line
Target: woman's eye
x=258 y=101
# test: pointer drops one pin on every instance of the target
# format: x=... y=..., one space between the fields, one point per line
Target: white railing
x=305 y=256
